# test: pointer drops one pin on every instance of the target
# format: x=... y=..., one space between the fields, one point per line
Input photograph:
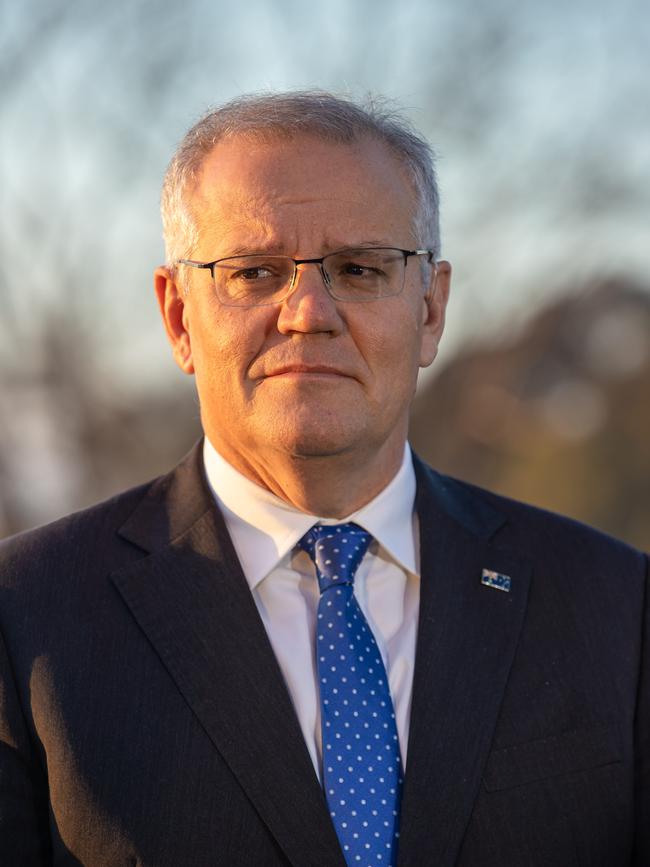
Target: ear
x=173 y=310
x=433 y=313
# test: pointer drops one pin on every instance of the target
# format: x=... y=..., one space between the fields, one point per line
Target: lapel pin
x=496 y=580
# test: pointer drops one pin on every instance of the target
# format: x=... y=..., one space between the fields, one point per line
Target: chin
x=312 y=451
x=321 y=446
x=316 y=439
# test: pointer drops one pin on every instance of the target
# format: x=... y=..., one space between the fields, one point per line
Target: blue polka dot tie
x=362 y=771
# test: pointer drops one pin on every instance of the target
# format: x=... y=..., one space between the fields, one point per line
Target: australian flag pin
x=496 y=580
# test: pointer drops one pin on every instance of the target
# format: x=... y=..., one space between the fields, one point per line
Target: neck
x=330 y=486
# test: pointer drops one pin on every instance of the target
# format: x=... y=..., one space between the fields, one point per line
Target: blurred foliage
x=557 y=415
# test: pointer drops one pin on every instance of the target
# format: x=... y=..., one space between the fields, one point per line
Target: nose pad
x=326 y=277
x=294 y=280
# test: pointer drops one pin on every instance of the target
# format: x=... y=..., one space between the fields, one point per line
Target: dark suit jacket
x=144 y=719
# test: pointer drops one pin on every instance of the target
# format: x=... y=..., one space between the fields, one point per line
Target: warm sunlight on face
x=310 y=376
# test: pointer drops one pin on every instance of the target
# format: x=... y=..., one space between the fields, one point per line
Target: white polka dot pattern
x=362 y=772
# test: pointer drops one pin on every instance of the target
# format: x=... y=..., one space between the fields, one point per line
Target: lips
x=308 y=369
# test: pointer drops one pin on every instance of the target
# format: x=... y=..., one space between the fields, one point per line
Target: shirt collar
x=264 y=528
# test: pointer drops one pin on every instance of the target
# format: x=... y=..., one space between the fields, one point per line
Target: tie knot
x=336 y=551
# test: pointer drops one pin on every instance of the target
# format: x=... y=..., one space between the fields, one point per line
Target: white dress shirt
x=264 y=530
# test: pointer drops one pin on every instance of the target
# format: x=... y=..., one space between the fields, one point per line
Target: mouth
x=307 y=371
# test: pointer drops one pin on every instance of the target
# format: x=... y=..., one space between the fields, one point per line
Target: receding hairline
x=288 y=116
x=273 y=136
x=322 y=114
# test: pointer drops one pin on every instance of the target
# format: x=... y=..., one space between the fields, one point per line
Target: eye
x=357 y=269
x=360 y=265
x=254 y=273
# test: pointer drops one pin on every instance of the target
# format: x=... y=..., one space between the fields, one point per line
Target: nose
x=309 y=308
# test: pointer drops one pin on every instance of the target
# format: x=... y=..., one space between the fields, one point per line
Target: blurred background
x=540 y=114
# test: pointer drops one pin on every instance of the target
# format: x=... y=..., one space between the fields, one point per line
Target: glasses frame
x=192 y=263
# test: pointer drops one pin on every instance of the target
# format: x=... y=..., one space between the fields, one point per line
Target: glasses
x=355 y=274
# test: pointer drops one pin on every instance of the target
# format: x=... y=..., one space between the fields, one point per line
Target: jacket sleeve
x=642 y=742
x=23 y=794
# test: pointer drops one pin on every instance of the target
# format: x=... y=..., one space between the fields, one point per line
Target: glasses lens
x=365 y=273
x=246 y=281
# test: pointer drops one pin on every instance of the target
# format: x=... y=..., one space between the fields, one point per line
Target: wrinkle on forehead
x=266 y=200
x=274 y=201
x=231 y=232
x=256 y=235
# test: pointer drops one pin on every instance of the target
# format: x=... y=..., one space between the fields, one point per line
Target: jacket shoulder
x=51 y=545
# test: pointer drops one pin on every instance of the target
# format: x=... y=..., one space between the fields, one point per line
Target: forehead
x=302 y=191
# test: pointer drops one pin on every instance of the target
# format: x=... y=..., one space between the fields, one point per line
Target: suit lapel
x=192 y=601
x=467 y=635
x=190 y=598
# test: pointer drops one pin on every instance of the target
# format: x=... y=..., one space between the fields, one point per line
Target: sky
x=540 y=115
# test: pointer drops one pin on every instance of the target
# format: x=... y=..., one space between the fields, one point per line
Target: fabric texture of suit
x=144 y=719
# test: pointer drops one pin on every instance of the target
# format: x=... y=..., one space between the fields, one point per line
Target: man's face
x=310 y=376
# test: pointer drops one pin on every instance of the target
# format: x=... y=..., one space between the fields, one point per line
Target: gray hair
x=285 y=115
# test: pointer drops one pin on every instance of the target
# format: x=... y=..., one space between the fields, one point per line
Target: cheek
x=224 y=345
x=395 y=346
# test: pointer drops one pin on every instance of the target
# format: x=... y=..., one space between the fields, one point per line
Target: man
x=303 y=646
